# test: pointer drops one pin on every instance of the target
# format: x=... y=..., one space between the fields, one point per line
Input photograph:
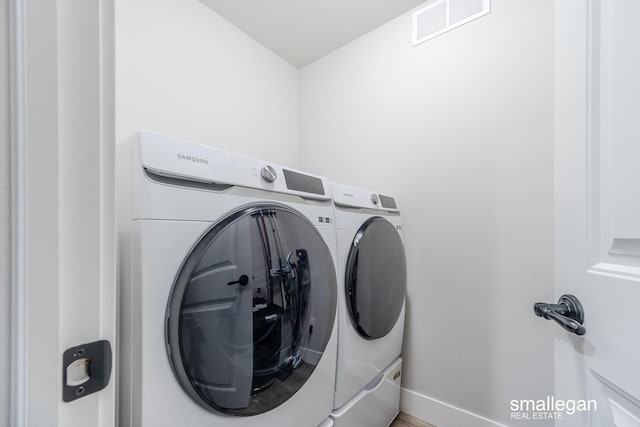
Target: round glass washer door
x=251 y=311
x=375 y=278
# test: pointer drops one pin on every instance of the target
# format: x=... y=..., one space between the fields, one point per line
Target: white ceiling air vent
x=440 y=16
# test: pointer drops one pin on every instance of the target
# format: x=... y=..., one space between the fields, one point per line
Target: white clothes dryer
x=228 y=290
x=371 y=296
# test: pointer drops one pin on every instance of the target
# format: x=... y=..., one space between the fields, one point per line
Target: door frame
x=18 y=172
x=62 y=203
x=5 y=220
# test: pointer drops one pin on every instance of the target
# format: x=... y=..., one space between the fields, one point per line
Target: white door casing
x=5 y=220
x=63 y=272
x=597 y=206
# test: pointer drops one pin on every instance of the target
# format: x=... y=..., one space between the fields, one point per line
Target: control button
x=375 y=199
x=268 y=173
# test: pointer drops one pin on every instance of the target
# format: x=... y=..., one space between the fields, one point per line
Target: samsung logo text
x=193 y=159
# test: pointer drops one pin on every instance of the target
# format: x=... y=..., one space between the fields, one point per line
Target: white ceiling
x=301 y=31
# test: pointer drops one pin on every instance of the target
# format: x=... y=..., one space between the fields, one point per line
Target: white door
x=63 y=240
x=597 y=200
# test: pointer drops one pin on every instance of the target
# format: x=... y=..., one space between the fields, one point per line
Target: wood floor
x=404 y=420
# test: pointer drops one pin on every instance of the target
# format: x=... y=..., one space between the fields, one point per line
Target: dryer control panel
x=346 y=195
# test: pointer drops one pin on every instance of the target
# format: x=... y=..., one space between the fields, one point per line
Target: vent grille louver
x=440 y=16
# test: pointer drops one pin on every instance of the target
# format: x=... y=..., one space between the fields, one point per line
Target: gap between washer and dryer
x=404 y=420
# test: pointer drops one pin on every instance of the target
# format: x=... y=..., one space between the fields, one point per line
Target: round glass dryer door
x=375 y=278
x=251 y=311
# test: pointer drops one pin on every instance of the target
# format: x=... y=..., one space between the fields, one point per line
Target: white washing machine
x=228 y=290
x=371 y=294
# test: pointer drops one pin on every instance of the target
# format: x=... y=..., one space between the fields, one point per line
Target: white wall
x=5 y=229
x=184 y=71
x=460 y=129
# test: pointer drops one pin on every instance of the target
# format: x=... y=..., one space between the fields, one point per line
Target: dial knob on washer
x=374 y=199
x=268 y=173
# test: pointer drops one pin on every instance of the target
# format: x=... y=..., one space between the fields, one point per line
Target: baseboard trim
x=439 y=413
